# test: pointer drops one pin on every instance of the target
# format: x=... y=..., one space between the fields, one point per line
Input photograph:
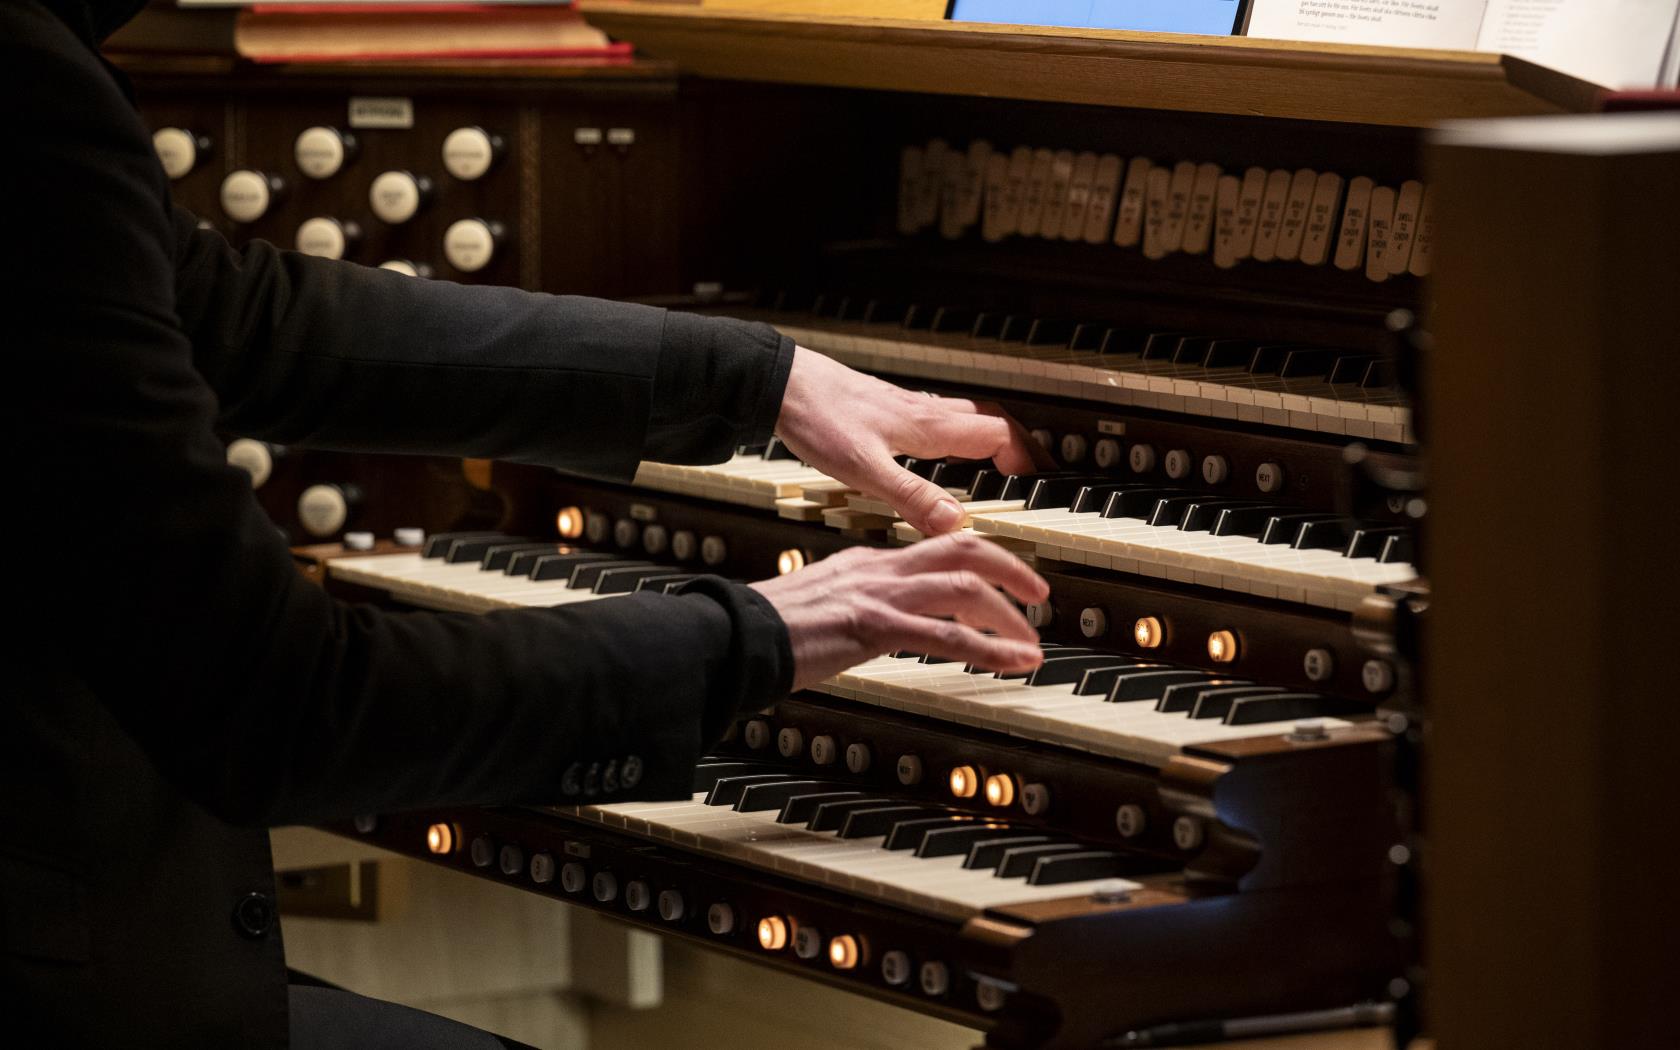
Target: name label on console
x=1111 y=426
x=644 y=512
x=370 y=112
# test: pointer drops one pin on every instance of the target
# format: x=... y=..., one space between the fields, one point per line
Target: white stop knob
x=469 y=245
x=323 y=509
x=177 y=151
x=327 y=238
x=321 y=151
x=1107 y=452
x=254 y=458
x=395 y=196
x=246 y=195
x=468 y=153
x=402 y=266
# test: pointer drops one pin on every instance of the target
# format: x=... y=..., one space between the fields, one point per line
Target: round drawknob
x=469 y=152
x=1215 y=469
x=672 y=907
x=684 y=545
x=573 y=877
x=859 y=758
x=327 y=238
x=626 y=532
x=1142 y=458
x=655 y=539
x=247 y=195
x=255 y=458
x=324 y=509
x=179 y=150
x=406 y=267
x=1107 y=452
x=396 y=196
x=470 y=244
x=321 y=152
x=1039 y=614
x=1093 y=622
x=1178 y=464
x=637 y=895
x=1268 y=477
x=720 y=918
x=1074 y=447
x=713 y=550
x=824 y=750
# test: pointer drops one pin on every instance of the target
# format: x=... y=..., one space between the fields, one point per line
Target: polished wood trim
x=1266 y=78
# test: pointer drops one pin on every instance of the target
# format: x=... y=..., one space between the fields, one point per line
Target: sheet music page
x=1617 y=43
x=1450 y=24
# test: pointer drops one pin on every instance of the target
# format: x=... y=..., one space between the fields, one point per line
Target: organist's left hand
x=850 y=426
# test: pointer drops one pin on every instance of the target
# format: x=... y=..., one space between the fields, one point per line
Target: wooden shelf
x=1234 y=75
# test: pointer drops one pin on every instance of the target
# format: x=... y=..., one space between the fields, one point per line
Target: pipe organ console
x=1193 y=810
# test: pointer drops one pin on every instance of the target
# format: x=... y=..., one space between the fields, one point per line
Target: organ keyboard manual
x=1236 y=289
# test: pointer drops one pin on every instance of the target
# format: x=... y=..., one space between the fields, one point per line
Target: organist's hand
x=935 y=597
x=850 y=426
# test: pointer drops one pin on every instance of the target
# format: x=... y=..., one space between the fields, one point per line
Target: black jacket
x=173 y=686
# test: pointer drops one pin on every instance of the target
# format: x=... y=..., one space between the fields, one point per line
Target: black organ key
x=988 y=852
x=472 y=548
x=1302 y=362
x=1160 y=346
x=1087 y=336
x=585 y=574
x=1268 y=358
x=1147 y=684
x=1180 y=698
x=958 y=839
x=1169 y=512
x=1073 y=669
x=957 y=473
x=1369 y=542
x=799 y=809
x=1201 y=515
x=829 y=816
x=919 y=316
x=1015 y=328
x=987 y=324
x=922 y=468
x=707 y=774
x=1398 y=549
x=1059 y=652
x=1288 y=707
x=1020 y=486
x=751 y=450
x=909 y=834
x=1216 y=703
x=497 y=557
x=954 y=319
x=1018 y=862
x=1097 y=681
x=987 y=484
x=438 y=543
x=1379 y=375
x=885 y=311
x=541 y=566
x=1138 y=503
x=867 y=822
x=726 y=790
x=623 y=580
x=1333 y=534
x=1350 y=368
x=774 y=795
x=664 y=584
x=1245 y=521
x=777 y=450
x=1048 y=492
x=1192 y=350
x=1122 y=342
x=929 y=658
x=1049 y=331
x=1283 y=528
x=1092 y=498
x=1229 y=354
x=1058 y=868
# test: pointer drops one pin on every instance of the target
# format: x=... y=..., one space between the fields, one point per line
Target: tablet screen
x=1212 y=17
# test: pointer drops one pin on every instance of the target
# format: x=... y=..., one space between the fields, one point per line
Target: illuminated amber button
x=1000 y=789
x=1148 y=632
x=440 y=838
x=965 y=782
x=1222 y=647
x=843 y=952
x=569 y=522
x=789 y=561
x=772 y=933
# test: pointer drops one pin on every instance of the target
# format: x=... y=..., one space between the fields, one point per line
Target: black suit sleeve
x=166 y=591
x=313 y=351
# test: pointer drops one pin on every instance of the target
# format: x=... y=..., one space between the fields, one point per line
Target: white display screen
x=1211 y=17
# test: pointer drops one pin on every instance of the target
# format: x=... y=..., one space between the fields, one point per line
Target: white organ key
x=1423 y=242
x=1156 y=201
x=1248 y=212
x=1321 y=218
x=1226 y=193
x=1198 y=220
x=1105 y=192
x=1178 y=205
x=1128 y=225
x=932 y=183
x=1079 y=196
x=1403 y=233
x=1381 y=227
x=1038 y=189
x=1056 y=195
x=1295 y=211
x=1015 y=195
x=1350 y=239
x=910 y=160
x=997 y=183
x=1270 y=224
x=976 y=161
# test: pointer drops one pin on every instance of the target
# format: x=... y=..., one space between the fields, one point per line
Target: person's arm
x=329 y=354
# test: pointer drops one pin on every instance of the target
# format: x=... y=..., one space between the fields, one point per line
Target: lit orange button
x=1148 y=632
x=1000 y=789
x=843 y=952
x=440 y=838
x=1222 y=647
x=569 y=522
x=772 y=933
x=965 y=782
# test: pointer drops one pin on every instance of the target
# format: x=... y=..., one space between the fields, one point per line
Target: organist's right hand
x=936 y=597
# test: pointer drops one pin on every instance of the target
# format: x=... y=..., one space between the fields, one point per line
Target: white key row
x=749 y=481
x=1235 y=563
x=1283 y=215
x=933 y=885
x=1051 y=714
x=432 y=583
x=1300 y=404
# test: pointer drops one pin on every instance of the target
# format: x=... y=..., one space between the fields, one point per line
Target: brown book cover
x=387 y=32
